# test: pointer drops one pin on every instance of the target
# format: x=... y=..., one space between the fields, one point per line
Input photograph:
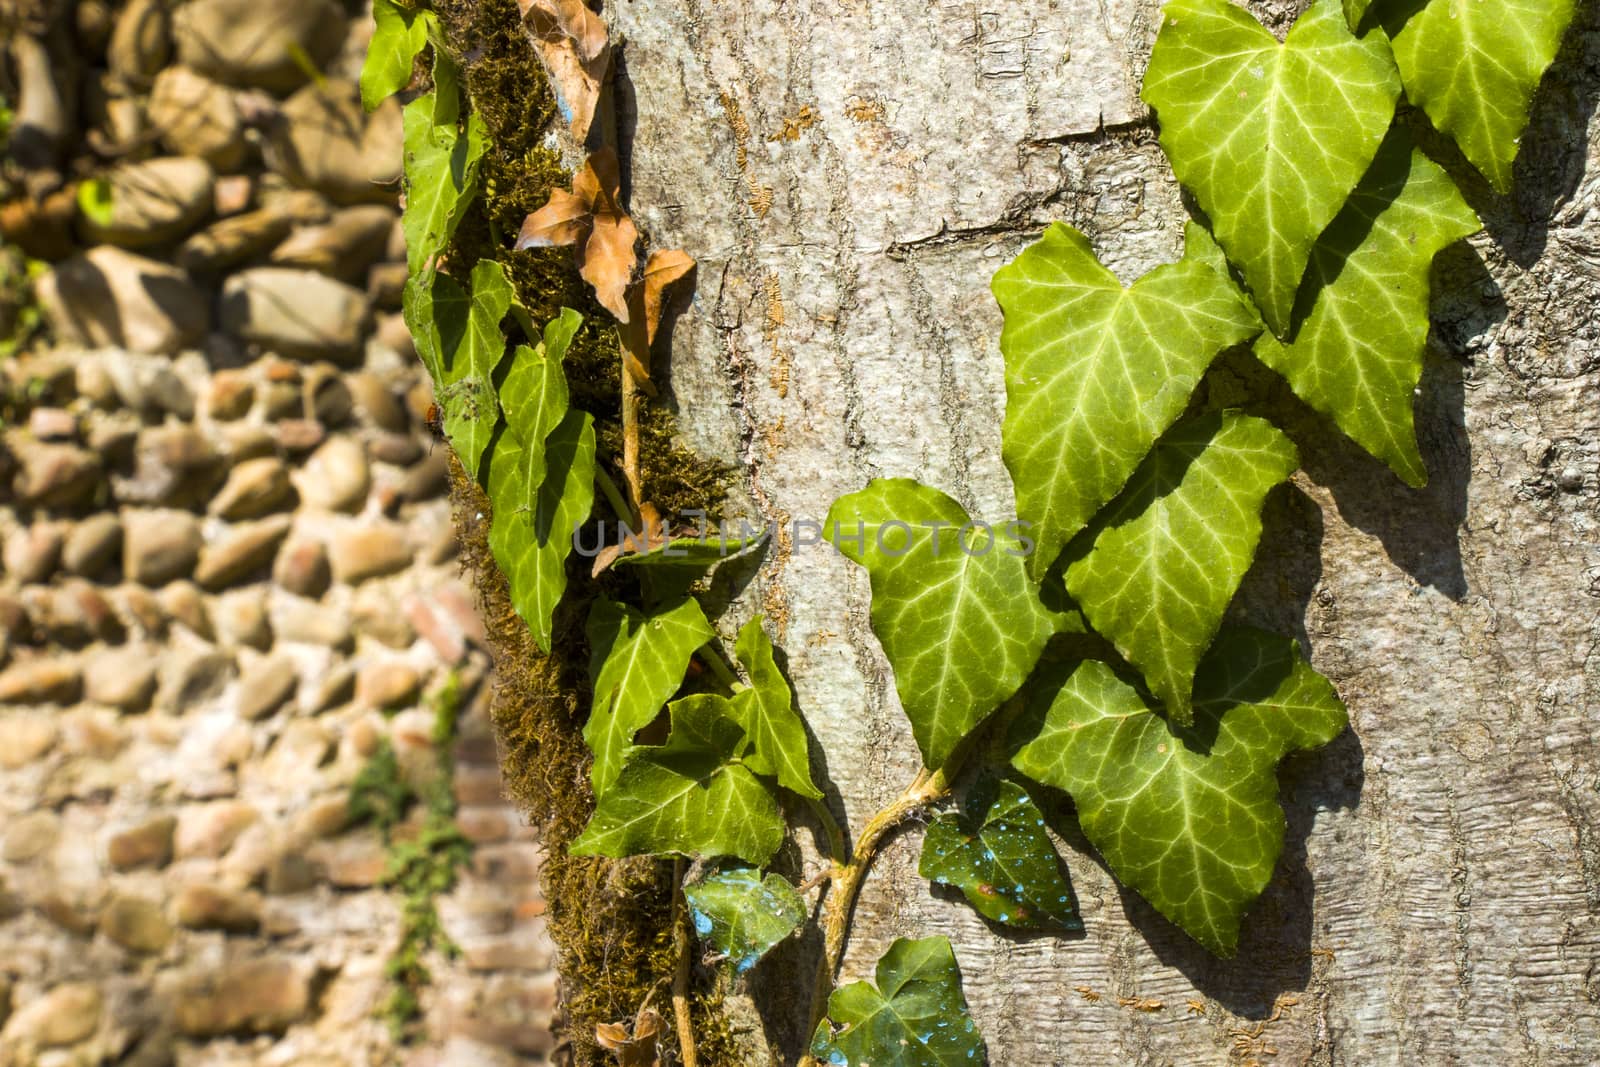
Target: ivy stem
x=848 y=879
x=680 y=976
x=613 y=495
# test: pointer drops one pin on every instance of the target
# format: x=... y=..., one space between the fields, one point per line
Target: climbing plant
x=1081 y=640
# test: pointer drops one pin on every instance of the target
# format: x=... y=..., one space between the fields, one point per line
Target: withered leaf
x=571 y=42
x=641 y=1048
x=561 y=222
x=662 y=269
x=591 y=217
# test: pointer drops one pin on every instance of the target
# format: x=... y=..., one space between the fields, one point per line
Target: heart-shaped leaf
x=1168 y=554
x=1096 y=372
x=743 y=915
x=638 y=662
x=541 y=478
x=998 y=854
x=690 y=796
x=1187 y=817
x=1270 y=138
x=459 y=340
x=399 y=34
x=916 y=1016
x=1357 y=354
x=441 y=167
x=1474 y=66
x=952 y=604
x=779 y=746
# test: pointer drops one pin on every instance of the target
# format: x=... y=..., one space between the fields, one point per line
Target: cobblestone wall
x=229 y=580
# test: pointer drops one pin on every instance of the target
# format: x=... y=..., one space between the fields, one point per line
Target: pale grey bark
x=1439 y=896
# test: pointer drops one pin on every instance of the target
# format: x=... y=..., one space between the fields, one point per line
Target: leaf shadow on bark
x=1418 y=528
x=1553 y=156
x=1276 y=953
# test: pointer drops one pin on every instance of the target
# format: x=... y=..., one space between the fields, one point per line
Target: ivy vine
x=1091 y=623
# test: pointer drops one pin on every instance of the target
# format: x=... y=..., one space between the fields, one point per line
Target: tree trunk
x=849 y=176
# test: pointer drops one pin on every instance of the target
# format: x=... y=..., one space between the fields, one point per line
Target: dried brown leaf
x=564 y=220
x=641 y=1047
x=566 y=20
x=607 y=259
x=662 y=269
x=571 y=42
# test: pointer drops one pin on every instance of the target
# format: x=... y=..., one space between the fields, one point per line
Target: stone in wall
x=226 y=577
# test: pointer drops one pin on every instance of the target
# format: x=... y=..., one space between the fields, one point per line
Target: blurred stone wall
x=228 y=570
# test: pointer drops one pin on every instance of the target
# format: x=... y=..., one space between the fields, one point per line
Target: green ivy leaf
x=998 y=854
x=465 y=346
x=961 y=623
x=1169 y=553
x=1355 y=11
x=1269 y=138
x=779 y=746
x=533 y=394
x=399 y=34
x=1187 y=817
x=915 y=1017
x=696 y=553
x=1357 y=355
x=1474 y=66
x=638 y=662
x=1096 y=372
x=689 y=796
x=743 y=915
x=441 y=177
x=534 y=516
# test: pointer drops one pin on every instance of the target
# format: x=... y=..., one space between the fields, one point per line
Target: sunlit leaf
x=1270 y=138
x=1096 y=372
x=959 y=618
x=916 y=1015
x=691 y=796
x=541 y=477
x=398 y=36
x=441 y=167
x=1474 y=65
x=996 y=851
x=1357 y=356
x=464 y=334
x=1188 y=817
x=779 y=745
x=638 y=662
x=1169 y=553
x=743 y=915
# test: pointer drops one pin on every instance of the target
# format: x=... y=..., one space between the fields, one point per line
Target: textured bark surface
x=849 y=175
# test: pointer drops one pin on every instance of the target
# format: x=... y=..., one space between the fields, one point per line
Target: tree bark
x=849 y=176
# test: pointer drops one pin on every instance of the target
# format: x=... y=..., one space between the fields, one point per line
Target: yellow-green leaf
x=399 y=34
x=1168 y=554
x=1473 y=66
x=690 y=796
x=637 y=662
x=765 y=709
x=1095 y=372
x=1357 y=355
x=1188 y=817
x=1270 y=138
x=959 y=618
